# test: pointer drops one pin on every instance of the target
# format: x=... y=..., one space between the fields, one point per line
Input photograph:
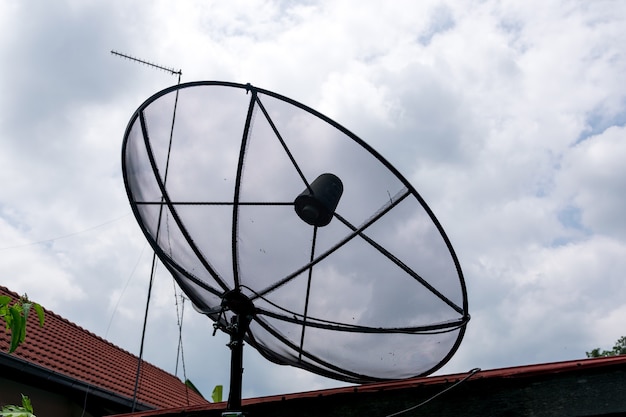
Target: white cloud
x=508 y=118
x=593 y=178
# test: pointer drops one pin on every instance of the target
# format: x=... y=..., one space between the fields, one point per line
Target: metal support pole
x=239 y=327
x=244 y=311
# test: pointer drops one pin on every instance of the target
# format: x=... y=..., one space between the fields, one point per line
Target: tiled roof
x=445 y=380
x=65 y=348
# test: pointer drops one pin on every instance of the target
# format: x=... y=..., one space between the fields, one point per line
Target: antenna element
x=150 y=64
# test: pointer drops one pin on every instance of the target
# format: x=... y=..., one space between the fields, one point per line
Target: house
x=586 y=387
x=67 y=371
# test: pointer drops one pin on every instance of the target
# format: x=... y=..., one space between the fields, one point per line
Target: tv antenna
x=150 y=64
x=293 y=235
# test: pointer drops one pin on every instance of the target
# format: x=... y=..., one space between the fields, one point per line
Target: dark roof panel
x=350 y=393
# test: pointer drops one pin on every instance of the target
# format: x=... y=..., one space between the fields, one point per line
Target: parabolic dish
x=375 y=294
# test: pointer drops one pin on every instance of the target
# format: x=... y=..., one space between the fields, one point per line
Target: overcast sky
x=508 y=117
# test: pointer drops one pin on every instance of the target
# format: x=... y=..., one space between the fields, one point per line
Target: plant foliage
x=15 y=316
x=26 y=410
x=618 y=349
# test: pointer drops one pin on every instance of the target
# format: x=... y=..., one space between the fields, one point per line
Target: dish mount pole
x=244 y=311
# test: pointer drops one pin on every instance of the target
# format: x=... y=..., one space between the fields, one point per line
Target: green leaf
x=26 y=309
x=4 y=300
x=8 y=318
x=216 y=395
x=18 y=329
x=193 y=387
x=14 y=411
x=40 y=313
x=26 y=410
x=4 y=313
x=26 y=403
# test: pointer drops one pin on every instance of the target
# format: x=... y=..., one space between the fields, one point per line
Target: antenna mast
x=153 y=269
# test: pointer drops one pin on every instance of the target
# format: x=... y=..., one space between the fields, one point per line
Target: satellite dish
x=293 y=235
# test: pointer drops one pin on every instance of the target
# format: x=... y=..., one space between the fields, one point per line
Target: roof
x=63 y=348
x=434 y=382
